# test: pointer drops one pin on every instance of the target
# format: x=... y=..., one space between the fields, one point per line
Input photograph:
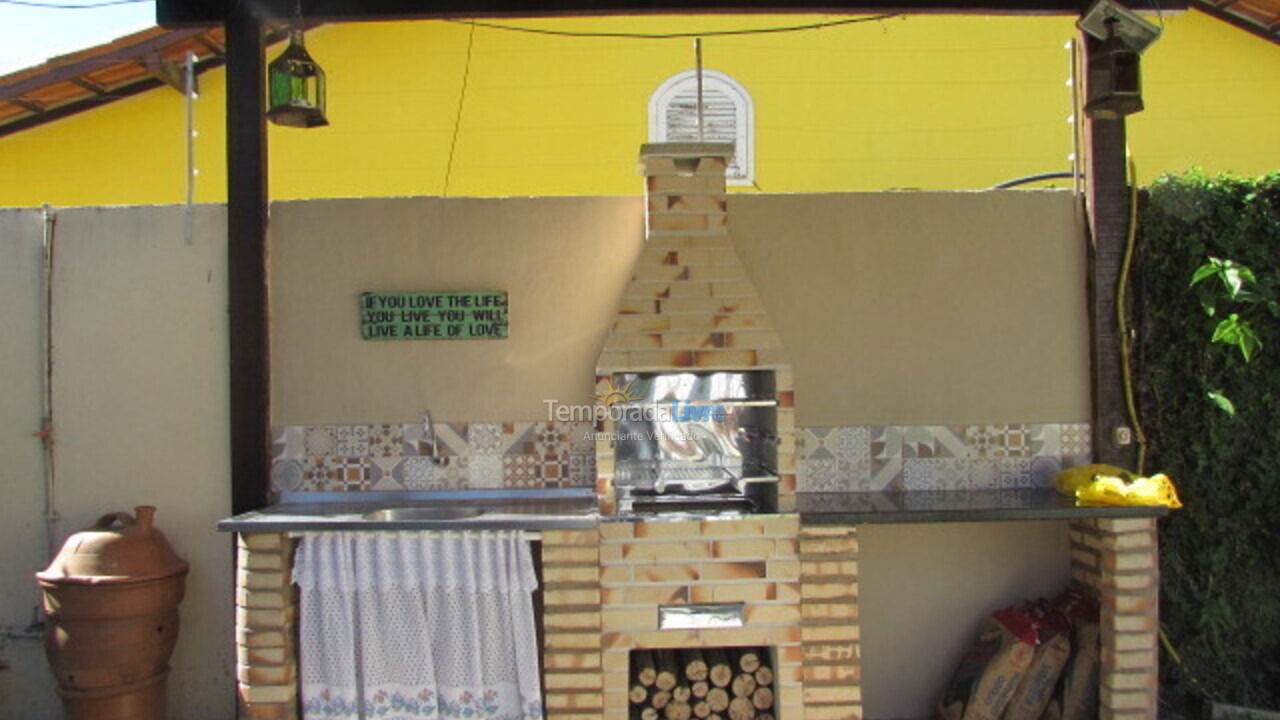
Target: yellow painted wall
x=928 y=102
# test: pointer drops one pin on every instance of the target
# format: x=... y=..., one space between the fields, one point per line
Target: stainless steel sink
x=423 y=513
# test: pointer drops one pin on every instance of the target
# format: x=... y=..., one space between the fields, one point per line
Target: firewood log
x=677 y=711
x=740 y=708
x=695 y=666
x=718 y=699
x=668 y=670
x=744 y=685
x=700 y=688
x=645 y=670
x=660 y=699
x=762 y=698
x=764 y=716
x=719 y=671
x=701 y=709
x=749 y=660
x=681 y=693
x=649 y=713
x=764 y=675
x=638 y=694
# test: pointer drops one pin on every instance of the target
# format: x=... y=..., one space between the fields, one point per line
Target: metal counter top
x=515 y=509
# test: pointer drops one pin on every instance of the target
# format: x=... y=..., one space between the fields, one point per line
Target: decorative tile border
x=549 y=454
x=938 y=457
x=404 y=457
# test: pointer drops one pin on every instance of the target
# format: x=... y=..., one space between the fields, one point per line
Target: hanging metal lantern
x=295 y=87
x=1115 y=84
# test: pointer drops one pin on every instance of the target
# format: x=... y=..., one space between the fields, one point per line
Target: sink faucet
x=429 y=431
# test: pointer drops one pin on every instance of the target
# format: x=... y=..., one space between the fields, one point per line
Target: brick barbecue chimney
x=690 y=305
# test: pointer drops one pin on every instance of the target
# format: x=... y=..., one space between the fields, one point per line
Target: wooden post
x=247 y=199
x=1107 y=189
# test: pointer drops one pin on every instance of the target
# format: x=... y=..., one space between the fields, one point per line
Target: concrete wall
x=903 y=308
x=563 y=261
x=896 y=308
x=909 y=308
x=140 y=398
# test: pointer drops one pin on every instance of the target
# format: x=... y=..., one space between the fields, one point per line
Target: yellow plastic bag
x=1072 y=479
x=1112 y=490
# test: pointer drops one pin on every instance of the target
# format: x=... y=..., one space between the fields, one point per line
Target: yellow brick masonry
x=1119 y=561
x=754 y=560
x=571 y=624
x=690 y=304
x=829 y=629
x=266 y=628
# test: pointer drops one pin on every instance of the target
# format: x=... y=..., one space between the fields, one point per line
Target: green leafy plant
x=1211 y=421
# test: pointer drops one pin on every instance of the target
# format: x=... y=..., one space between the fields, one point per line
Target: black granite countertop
x=530 y=510
x=927 y=506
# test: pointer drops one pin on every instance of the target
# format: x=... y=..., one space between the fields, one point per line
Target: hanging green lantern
x=295 y=87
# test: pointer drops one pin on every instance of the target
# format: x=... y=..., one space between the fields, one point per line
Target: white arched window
x=726 y=117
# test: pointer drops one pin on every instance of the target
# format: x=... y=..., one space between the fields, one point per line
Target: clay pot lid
x=118 y=548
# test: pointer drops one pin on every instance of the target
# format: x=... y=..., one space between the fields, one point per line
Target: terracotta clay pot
x=112 y=599
x=142 y=700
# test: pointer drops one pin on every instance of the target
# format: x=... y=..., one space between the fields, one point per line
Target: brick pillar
x=266 y=628
x=1119 y=560
x=571 y=623
x=829 y=628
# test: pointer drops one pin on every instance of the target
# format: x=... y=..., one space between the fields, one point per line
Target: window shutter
x=726 y=116
x=719 y=120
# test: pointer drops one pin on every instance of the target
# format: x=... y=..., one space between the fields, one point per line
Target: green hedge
x=1220 y=555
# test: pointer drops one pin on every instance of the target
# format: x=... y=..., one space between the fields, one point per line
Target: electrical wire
x=673 y=35
x=70 y=6
x=457 y=120
x=1122 y=317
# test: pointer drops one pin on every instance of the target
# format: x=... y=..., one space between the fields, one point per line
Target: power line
x=70 y=6
x=674 y=35
x=457 y=120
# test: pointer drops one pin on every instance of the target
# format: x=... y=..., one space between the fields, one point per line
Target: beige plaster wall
x=897 y=308
x=563 y=262
x=140 y=398
x=26 y=683
x=924 y=308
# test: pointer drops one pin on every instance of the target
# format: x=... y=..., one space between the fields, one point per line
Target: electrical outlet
x=1122 y=436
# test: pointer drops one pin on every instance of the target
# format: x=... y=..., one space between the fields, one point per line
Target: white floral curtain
x=411 y=625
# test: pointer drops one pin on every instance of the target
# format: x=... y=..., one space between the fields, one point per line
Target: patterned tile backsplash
x=549 y=454
x=404 y=457
x=937 y=457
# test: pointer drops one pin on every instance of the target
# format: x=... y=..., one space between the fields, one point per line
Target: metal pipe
x=697 y=53
x=188 y=217
x=45 y=433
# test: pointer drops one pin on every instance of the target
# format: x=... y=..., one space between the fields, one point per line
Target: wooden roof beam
x=211 y=44
x=91 y=86
x=30 y=106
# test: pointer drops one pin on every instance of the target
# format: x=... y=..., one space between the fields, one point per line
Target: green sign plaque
x=433 y=315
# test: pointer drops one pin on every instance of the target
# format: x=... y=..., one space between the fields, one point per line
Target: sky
x=31 y=35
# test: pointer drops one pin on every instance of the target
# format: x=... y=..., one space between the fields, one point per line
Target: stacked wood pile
x=702 y=684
